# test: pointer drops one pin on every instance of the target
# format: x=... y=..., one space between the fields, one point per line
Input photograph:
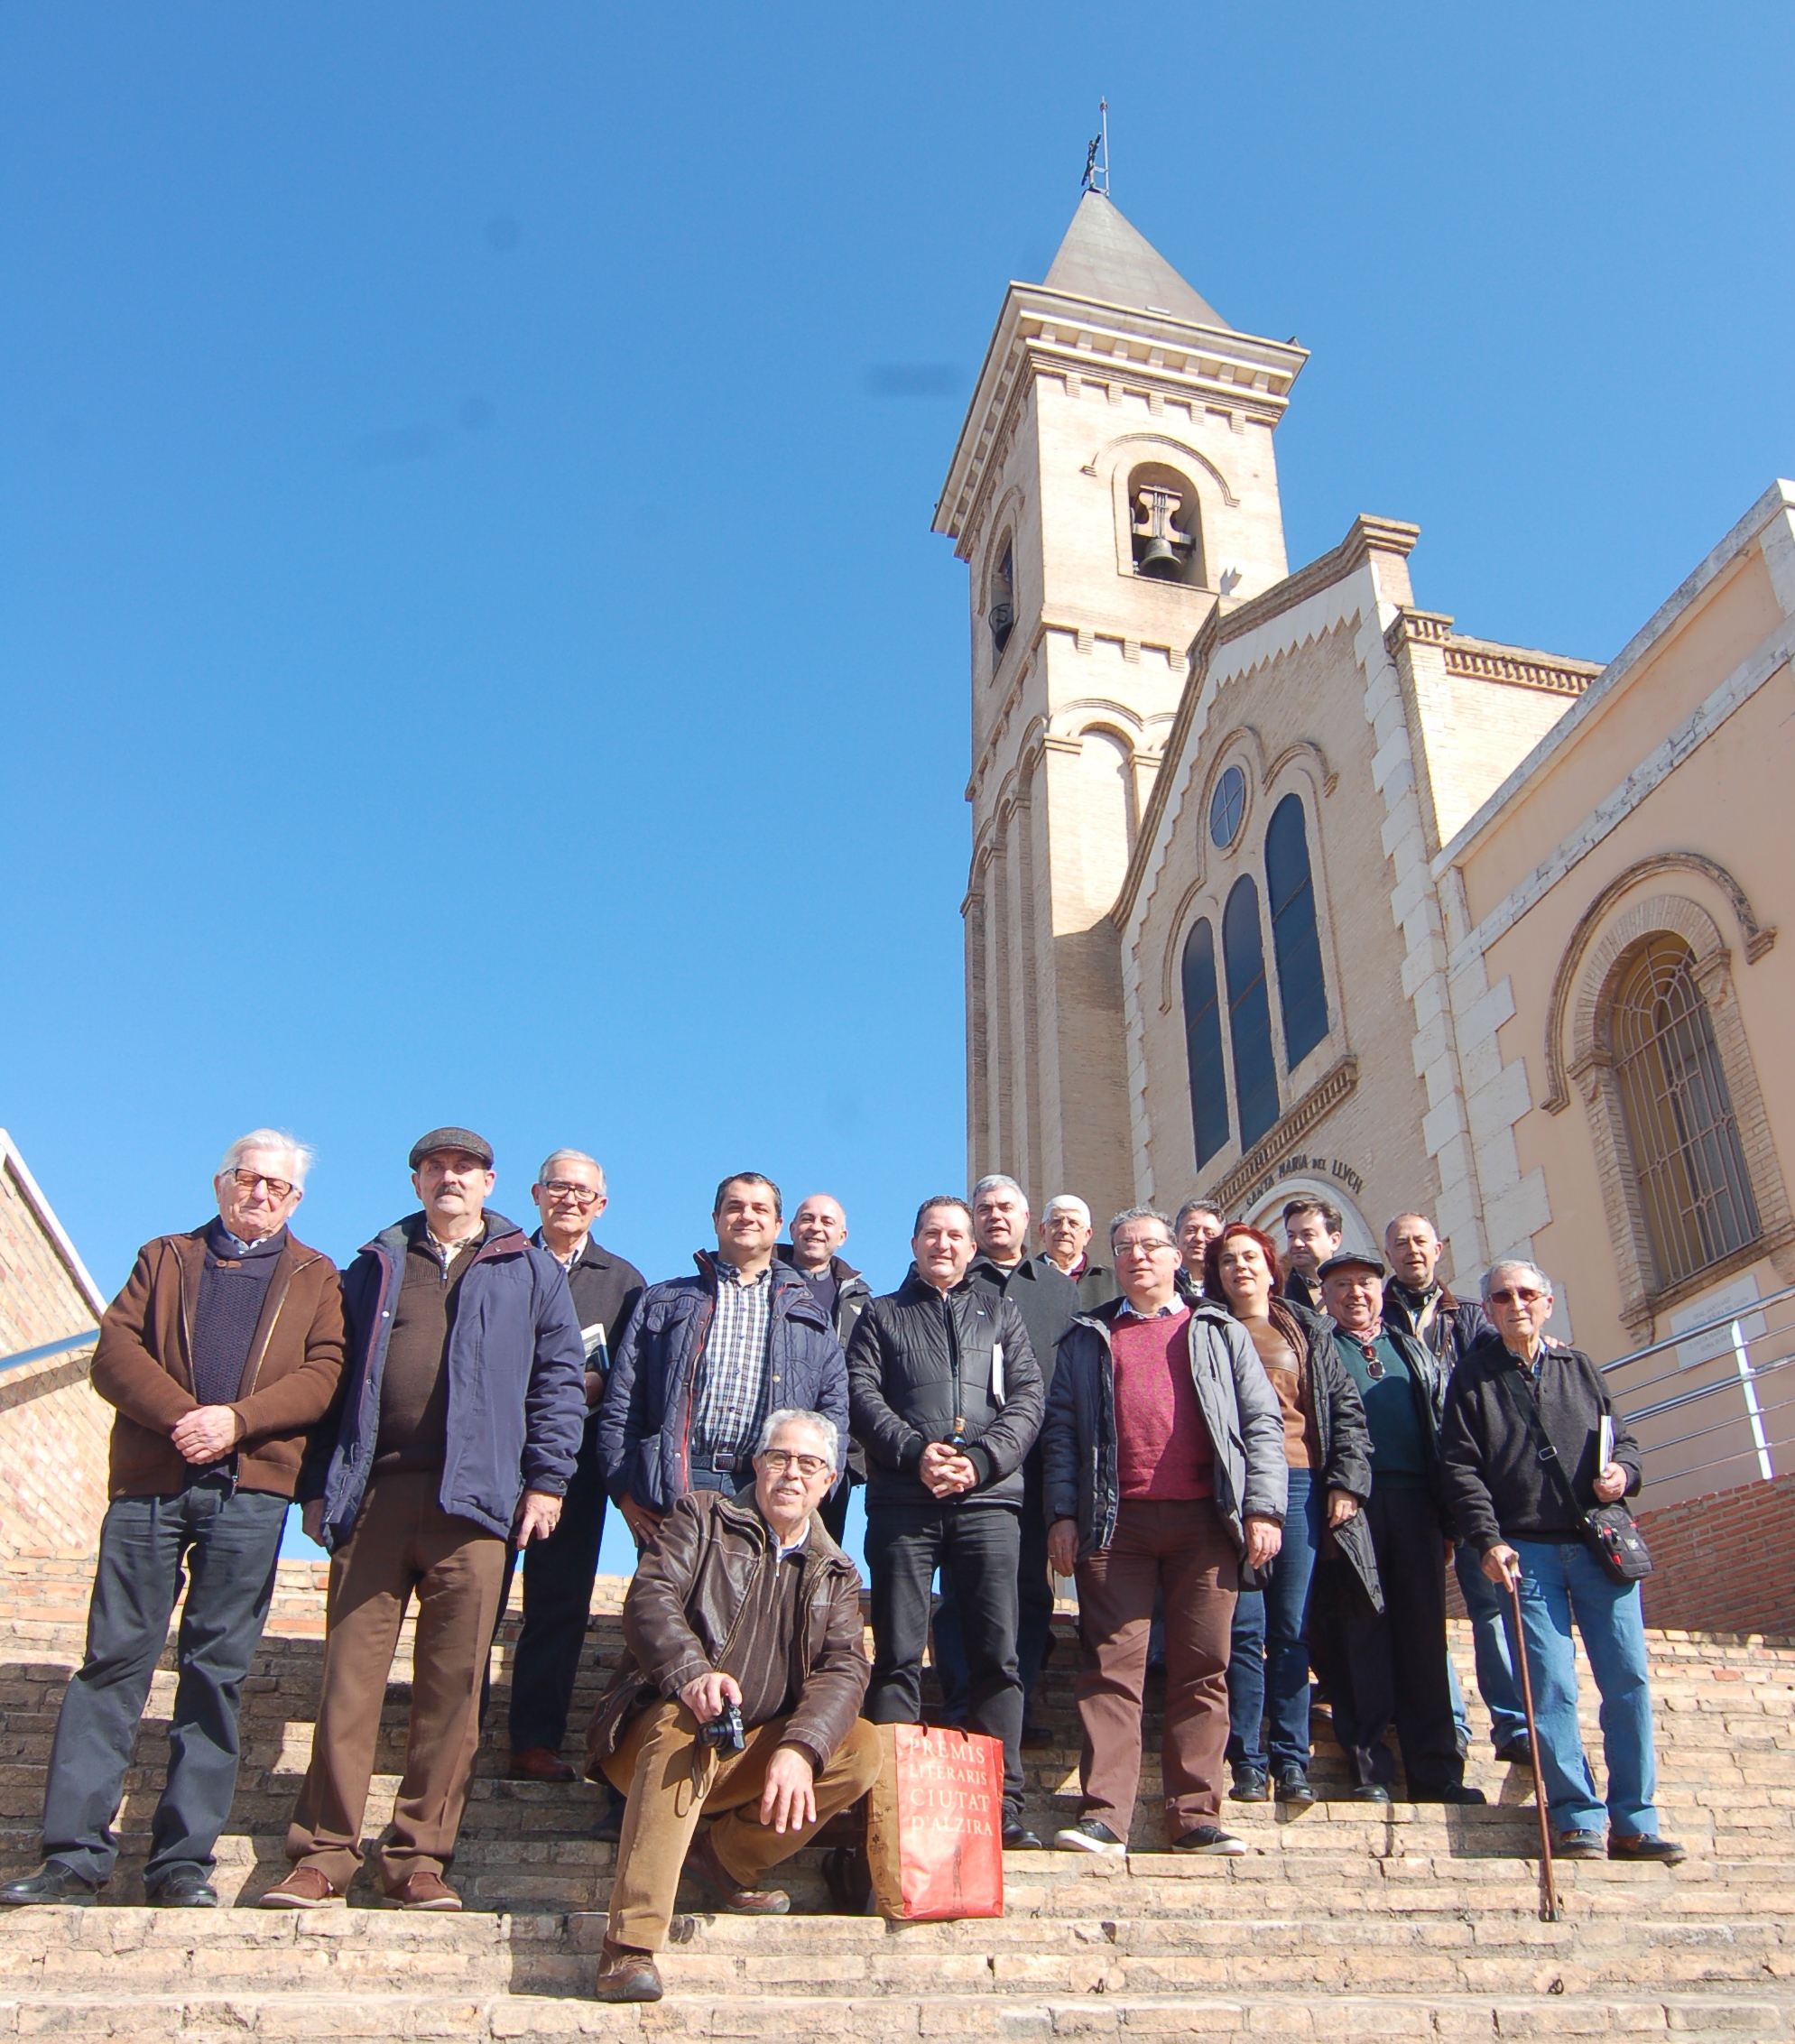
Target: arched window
x=1001 y=605
x=1302 y=993
x=1255 y=1070
x=1165 y=538
x=1678 y=1116
x=1203 y=1044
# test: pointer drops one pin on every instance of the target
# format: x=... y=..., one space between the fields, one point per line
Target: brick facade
x=1725 y=1563
x=54 y=1429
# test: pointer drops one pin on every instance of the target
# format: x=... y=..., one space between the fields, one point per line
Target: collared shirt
x=573 y=1255
x=239 y=1248
x=445 y=1252
x=788 y=1548
x=1172 y=1305
x=729 y=1399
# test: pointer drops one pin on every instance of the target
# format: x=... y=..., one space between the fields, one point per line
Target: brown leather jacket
x=681 y=1620
x=143 y=1364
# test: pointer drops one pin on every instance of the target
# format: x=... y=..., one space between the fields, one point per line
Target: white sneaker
x=1088 y=1836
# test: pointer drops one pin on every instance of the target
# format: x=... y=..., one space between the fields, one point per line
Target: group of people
x=1254 y=1457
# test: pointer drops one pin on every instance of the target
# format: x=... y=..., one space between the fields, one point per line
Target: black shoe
x=1578 y=1845
x=1090 y=1834
x=1251 y=1785
x=183 y=1888
x=609 y=1828
x=1036 y=1738
x=52 y=1882
x=1516 y=1752
x=1019 y=1838
x=1293 y=1789
x=1368 y=1792
x=1452 y=1792
x=1209 y=1838
x=1643 y=1846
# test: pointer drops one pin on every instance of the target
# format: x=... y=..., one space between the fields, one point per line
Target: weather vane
x=1097 y=157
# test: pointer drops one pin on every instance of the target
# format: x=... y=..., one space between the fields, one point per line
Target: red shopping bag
x=935 y=1824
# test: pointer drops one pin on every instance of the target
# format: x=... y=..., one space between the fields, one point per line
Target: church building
x=1280 y=884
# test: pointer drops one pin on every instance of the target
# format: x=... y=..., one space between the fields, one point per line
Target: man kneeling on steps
x=737 y=1698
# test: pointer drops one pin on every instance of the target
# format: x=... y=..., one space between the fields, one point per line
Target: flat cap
x=1351 y=1260
x=452 y=1139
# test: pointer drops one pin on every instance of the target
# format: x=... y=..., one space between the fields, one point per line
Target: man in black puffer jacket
x=946 y=1400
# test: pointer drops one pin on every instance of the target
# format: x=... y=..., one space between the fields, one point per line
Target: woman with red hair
x=1328 y=1451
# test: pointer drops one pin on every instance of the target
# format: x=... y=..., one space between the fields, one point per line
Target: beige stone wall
x=54 y=1429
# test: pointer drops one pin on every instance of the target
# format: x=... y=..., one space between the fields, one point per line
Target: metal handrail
x=1705 y=1391
x=1683 y=1369
x=49 y=1349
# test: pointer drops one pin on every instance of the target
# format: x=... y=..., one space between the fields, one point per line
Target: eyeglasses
x=778 y=1460
x=248 y=1182
x=581 y=1196
x=1142 y=1246
x=1518 y=1295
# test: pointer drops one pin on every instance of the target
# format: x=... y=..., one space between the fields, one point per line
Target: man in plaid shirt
x=704 y=1359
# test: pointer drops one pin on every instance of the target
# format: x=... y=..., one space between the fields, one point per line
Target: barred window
x=1255 y=1068
x=1203 y=1044
x=1678 y=1116
x=1302 y=991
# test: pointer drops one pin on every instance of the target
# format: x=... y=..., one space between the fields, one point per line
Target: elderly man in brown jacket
x=737 y=1698
x=223 y=1349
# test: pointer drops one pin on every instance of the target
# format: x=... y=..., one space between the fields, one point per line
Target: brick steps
x=1471 y=2018
x=1347 y=1921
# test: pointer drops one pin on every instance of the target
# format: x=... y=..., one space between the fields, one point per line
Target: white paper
x=1605 y=1442
x=997 y=1373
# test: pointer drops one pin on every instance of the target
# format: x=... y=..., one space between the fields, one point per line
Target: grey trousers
x=228 y=1542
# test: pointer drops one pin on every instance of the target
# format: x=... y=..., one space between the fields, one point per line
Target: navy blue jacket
x=516 y=1381
x=645 y=1418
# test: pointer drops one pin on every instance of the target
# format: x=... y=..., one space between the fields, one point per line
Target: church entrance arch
x=1267 y=1212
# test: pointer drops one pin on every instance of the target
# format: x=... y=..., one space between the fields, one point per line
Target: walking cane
x=1549 y=1890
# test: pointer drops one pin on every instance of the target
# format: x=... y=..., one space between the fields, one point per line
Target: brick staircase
x=1348 y=1922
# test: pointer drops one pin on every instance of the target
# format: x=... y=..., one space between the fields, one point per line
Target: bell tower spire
x=1113 y=483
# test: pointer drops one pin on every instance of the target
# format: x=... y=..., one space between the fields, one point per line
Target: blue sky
x=471 y=643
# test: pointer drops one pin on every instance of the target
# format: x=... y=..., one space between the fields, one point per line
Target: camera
x=725 y=1730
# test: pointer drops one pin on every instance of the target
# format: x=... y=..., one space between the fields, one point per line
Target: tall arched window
x=1302 y=993
x=1679 y=1125
x=1203 y=1044
x=1255 y=1070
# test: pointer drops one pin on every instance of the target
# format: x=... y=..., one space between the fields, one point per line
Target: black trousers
x=1389 y=1668
x=1034 y=1606
x=976 y=1547
x=228 y=1541
x=558 y=1574
x=833 y=1509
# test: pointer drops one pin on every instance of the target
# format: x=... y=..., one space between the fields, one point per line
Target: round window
x=1227 y=805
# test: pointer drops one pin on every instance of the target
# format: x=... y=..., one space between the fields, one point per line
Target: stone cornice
x=1486 y=659
x=1082 y=340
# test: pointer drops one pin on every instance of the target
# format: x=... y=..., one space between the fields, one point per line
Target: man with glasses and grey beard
x=224 y=1348
x=570 y=1195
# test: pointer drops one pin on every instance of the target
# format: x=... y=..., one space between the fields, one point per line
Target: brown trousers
x=1183 y=1549
x=653 y=1766
x=403 y=1543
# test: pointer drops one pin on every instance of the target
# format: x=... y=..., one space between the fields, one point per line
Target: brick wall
x=54 y=1429
x=1725 y=1563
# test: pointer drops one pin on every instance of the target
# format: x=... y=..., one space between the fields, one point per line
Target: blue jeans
x=1497 y=1683
x=229 y=1541
x=1268 y=1660
x=1557 y=1583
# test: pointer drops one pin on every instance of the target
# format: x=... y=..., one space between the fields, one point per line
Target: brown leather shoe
x=704 y=1867
x=626 y=1974
x=305 y=1888
x=537 y=1763
x=424 y=1890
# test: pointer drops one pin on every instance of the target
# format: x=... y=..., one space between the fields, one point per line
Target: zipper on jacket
x=957 y=1438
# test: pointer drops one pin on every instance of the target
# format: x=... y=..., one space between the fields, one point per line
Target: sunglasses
x=1516 y=1295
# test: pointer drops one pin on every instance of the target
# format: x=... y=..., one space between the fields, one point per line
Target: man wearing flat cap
x=459 y=1426
x=1389 y=1667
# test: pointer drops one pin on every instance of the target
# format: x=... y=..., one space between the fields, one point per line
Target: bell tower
x=1113 y=483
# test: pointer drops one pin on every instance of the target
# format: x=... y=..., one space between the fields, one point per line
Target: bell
x=1159 y=561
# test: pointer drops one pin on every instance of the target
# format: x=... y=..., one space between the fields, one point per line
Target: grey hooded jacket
x=1240 y=1409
